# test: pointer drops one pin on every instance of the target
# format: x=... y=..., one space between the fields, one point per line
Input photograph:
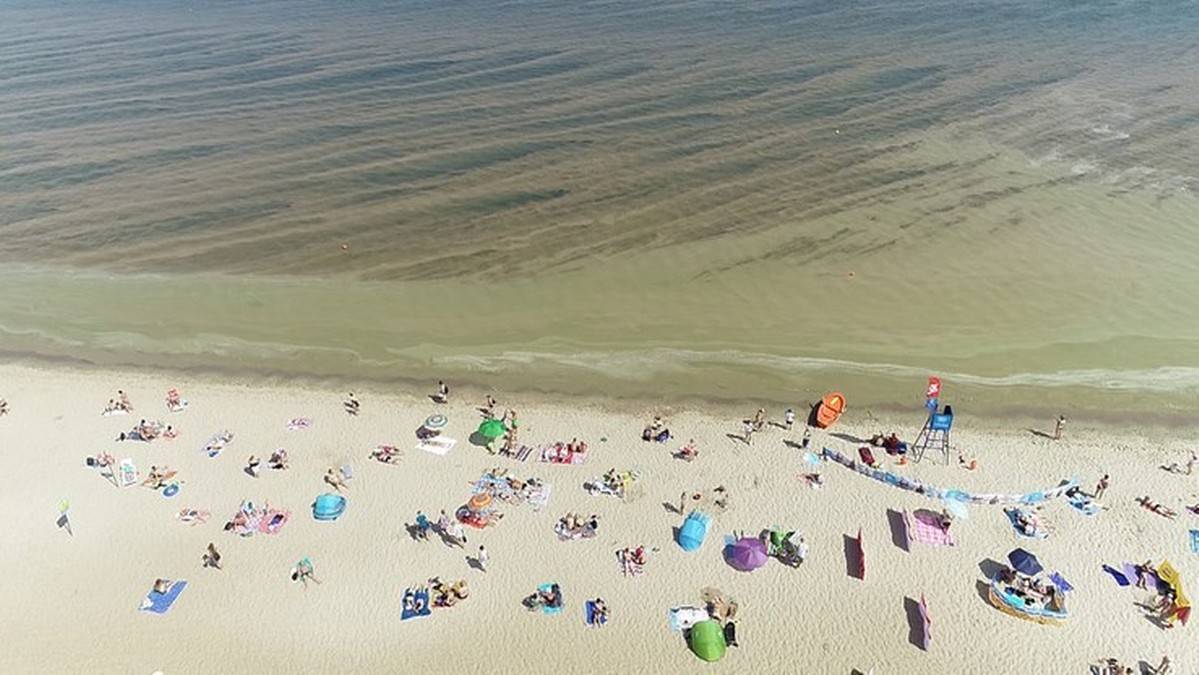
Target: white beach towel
x=438 y=445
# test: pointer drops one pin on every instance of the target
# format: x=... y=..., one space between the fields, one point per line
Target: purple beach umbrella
x=746 y=554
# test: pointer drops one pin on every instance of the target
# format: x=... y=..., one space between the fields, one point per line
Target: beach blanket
x=925 y=528
x=1084 y=504
x=591 y=617
x=437 y=445
x=416 y=603
x=217 y=443
x=160 y=603
x=127 y=473
x=522 y=454
x=1039 y=531
x=1119 y=576
x=682 y=618
x=298 y=423
x=1194 y=541
x=546 y=609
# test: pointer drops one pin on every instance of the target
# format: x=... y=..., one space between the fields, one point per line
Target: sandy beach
x=72 y=598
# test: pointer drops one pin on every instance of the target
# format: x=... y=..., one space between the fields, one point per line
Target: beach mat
x=1011 y=516
x=1117 y=575
x=160 y=603
x=546 y=609
x=420 y=602
x=437 y=445
x=589 y=615
x=1194 y=541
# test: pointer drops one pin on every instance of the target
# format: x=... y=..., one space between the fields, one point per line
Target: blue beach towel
x=1194 y=541
x=418 y=599
x=1060 y=581
x=546 y=609
x=589 y=615
x=159 y=603
x=1011 y=516
x=1117 y=575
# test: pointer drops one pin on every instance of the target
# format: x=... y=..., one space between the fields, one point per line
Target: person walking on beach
x=748 y=434
x=759 y=419
x=1102 y=486
x=422 y=525
x=351 y=404
x=212 y=557
x=807 y=437
x=789 y=419
x=1059 y=427
x=252 y=466
x=481 y=558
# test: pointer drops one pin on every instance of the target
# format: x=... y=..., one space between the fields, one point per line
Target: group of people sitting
x=1033 y=591
x=632 y=560
x=550 y=597
x=448 y=595
x=159 y=477
x=890 y=443
x=388 y=454
x=565 y=453
x=118 y=405
x=574 y=526
x=147 y=431
x=656 y=431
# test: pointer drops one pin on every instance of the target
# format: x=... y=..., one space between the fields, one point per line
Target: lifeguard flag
x=934 y=387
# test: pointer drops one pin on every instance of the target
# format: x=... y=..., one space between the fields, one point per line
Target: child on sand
x=212 y=558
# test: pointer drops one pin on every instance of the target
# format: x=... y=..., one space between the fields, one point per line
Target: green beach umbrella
x=492 y=429
x=707 y=640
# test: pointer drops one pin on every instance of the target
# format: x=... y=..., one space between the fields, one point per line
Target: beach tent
x=694 y=530
x=828 y=411
x=328 y=506
x=707 y=640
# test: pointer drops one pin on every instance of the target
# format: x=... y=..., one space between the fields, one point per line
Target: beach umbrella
x=436 y=421
x=707 y=640
x=746 y=554
x=479 y=502
x=492 y=429
x=1024 y=562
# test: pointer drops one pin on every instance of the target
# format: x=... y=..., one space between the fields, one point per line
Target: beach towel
x=546 y=609
x=682 y=618
x=591 y=617
x=217 y=443
x=1084 y=504
x=272 y=521
x=1038 y=533
x=416 y=603
x=1194 y=541
x=925 y=528
x=437 y=445
x=1119 y=576
x=127 y=472
x=298 y=423
x=160 y=603
x=1060 y=581
x=539 y=497
x=557 y=454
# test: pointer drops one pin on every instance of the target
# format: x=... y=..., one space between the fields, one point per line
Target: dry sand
x=71 y=599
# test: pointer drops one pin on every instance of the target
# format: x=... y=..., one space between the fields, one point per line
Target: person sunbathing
x=334 y=479
x=158 y=477
x=278 y=459
x=688 y=452
x=552 y=597
x=1159 y=509
x=161 y=586
x=637 y=556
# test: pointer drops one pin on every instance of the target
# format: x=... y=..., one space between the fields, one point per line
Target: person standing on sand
x=443 y=392
x=748 y=434
x=789 y=419
x=212 y=557
x=482 y=558
x=759 y=419
x=252 y=466
x=1059 y=427
x=807 y=437
x=1102 y=486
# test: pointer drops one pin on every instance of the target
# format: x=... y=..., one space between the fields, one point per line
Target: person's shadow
x=1038 y=432
x=413 y=531
x=473 y=563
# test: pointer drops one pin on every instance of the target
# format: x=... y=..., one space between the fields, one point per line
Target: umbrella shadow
x=478 y=440
x=915 y=622
x=991 y=568
x=895 y=521
x=671 y=508
x=1038 y=432
x=853 y=556
x=984 y=592
x=849 y=437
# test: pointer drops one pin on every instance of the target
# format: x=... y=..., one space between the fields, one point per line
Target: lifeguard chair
x=935 y=433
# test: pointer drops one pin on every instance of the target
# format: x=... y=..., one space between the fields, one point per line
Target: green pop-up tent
x=491 y=429
x=707 y=640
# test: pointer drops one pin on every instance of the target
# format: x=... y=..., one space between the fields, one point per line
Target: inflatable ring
x=171 y=490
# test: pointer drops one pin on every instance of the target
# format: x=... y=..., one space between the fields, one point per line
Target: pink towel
x=926 y=529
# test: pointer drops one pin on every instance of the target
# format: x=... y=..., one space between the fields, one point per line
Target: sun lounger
x=160 y=603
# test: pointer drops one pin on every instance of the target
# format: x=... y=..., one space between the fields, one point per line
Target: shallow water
x=660 y=200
